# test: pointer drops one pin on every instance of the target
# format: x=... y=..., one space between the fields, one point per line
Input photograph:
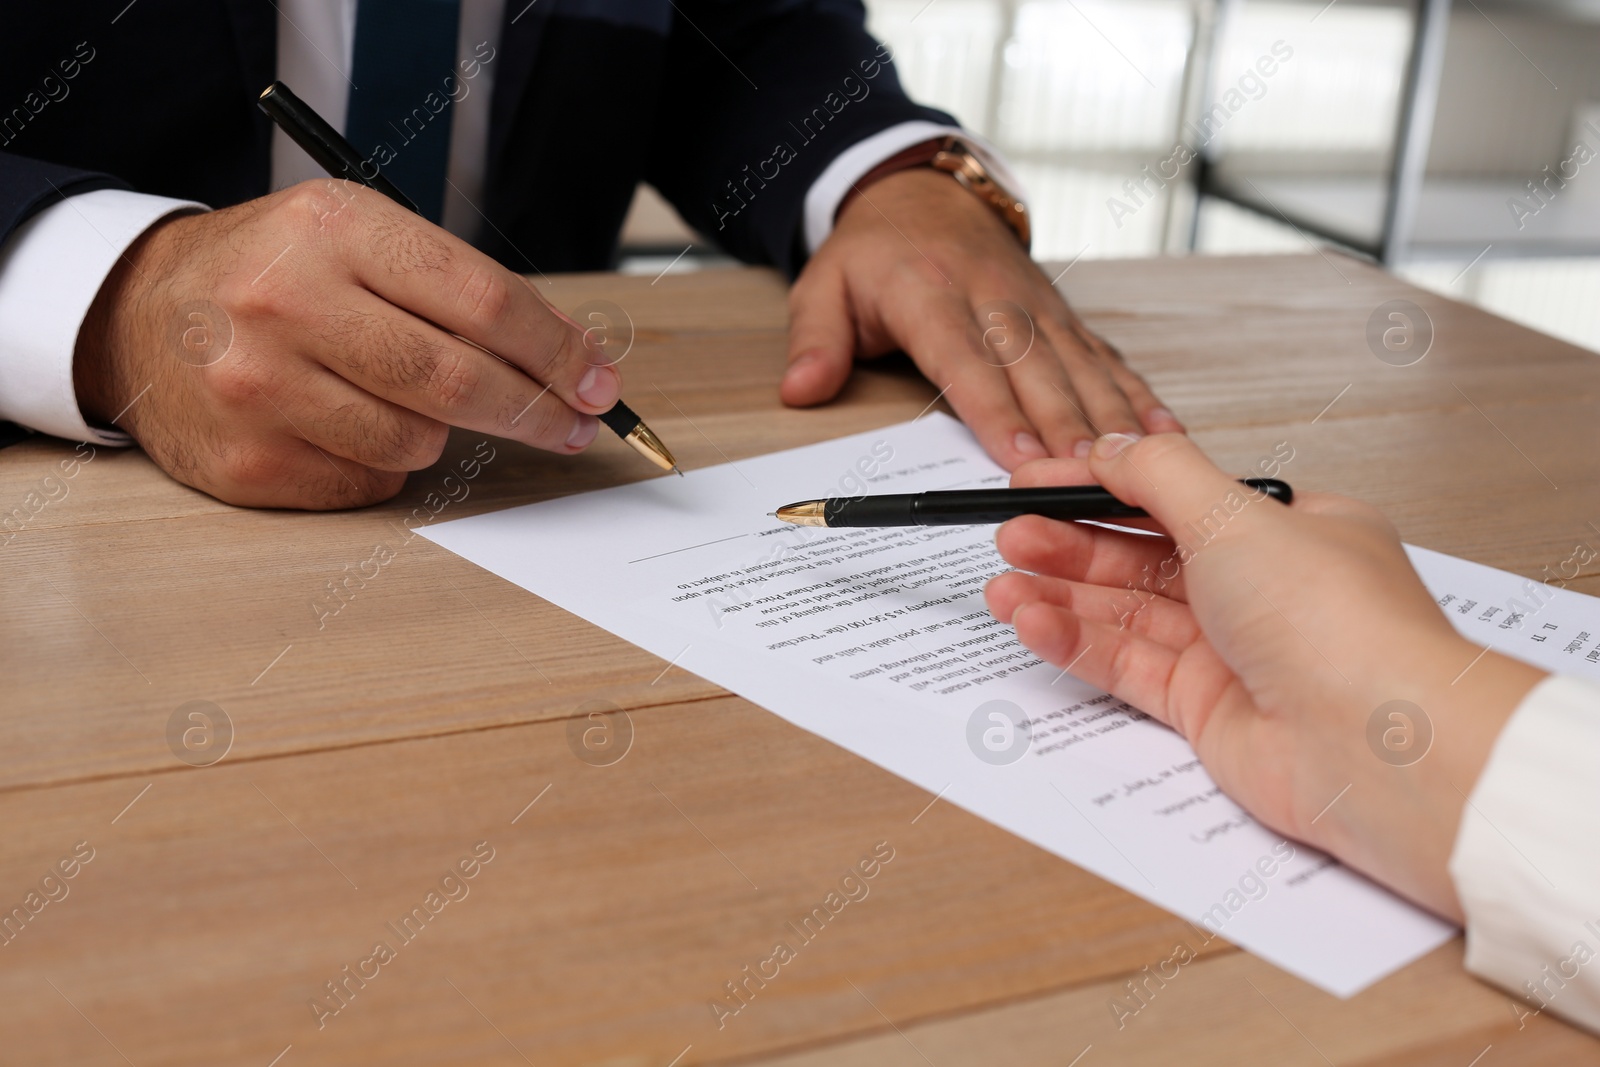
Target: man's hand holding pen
x=309 y=348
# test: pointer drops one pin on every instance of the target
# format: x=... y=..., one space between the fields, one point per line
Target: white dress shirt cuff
x=828 y=191
x=50 y=270
x=1526 y=863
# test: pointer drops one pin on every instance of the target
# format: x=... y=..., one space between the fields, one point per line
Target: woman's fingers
x=1045 y=473
x=1156 y=617
x=1127 y=665
x=1053 y=471
x=1137 y=565
x=1168 y=476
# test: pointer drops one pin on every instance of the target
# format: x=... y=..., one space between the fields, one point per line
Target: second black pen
x=970 y=506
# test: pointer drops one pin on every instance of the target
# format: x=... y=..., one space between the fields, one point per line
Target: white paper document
x=879 y=641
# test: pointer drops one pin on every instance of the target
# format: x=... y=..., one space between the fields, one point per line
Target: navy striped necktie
x=400 y=106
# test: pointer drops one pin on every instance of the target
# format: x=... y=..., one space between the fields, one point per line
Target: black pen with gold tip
x=641 y=438
x=972 y=506
x=339 y=158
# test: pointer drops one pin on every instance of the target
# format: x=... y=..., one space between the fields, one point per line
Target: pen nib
x=804 y=513
x=678 y=472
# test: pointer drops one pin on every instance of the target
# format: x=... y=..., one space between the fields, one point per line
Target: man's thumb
x=822 y=340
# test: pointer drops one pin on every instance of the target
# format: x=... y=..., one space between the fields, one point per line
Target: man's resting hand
x=917 y=263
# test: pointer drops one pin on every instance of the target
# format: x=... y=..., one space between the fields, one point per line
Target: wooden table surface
x=374 y=749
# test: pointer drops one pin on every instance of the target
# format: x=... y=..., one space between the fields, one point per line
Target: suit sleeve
x=27 y=186
x=759 y=98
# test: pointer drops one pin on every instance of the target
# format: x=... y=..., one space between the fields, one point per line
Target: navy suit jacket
x=731 y=108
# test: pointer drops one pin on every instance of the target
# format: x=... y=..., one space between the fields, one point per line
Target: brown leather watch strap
x=949 y=155
x=918 y=155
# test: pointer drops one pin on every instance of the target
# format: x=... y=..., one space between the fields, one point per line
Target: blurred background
x=1456 y=143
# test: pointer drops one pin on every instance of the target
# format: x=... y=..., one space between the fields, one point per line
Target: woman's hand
x=1268 y=636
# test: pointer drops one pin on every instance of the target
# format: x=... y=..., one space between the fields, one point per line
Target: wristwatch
x=952 y=156
x=962 y=164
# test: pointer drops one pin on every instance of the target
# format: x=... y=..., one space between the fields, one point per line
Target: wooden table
x=374 y=749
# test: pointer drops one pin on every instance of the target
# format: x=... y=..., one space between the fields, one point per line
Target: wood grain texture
x=608 y=921
x=373 y=747
x=1233 y=1009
